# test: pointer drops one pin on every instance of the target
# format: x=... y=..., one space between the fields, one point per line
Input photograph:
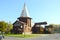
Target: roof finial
x=24 y=1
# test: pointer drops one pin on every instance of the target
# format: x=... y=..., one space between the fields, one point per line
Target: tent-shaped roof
x=25 y=12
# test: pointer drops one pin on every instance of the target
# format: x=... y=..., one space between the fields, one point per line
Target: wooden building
x=23 y=24
x=37 y=28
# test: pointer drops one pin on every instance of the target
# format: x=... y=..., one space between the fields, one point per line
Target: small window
x=21 y=26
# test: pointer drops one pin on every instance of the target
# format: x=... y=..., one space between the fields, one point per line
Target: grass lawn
x=23 y=35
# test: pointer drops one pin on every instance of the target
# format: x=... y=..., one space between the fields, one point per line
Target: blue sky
x=39 y=10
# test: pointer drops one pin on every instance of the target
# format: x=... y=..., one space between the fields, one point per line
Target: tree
x=56 y=28
x=9 y=28
x=5 y=27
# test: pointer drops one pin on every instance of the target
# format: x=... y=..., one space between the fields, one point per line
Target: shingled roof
x=25 y=12
x=18 y=23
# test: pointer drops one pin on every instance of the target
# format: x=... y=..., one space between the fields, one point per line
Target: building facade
x=38 y=29
x=23 y=23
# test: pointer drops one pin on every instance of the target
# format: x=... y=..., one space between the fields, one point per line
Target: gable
x=17 y=23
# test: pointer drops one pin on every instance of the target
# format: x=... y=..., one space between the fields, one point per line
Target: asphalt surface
x=44 y=37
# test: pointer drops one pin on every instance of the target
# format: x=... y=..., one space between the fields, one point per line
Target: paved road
x=48 y=37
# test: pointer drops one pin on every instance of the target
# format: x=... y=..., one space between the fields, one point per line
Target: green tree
x=56 y=28
x=9 y=28
x=5 y=27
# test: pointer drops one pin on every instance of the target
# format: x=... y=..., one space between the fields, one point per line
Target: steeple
x=25 y=12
